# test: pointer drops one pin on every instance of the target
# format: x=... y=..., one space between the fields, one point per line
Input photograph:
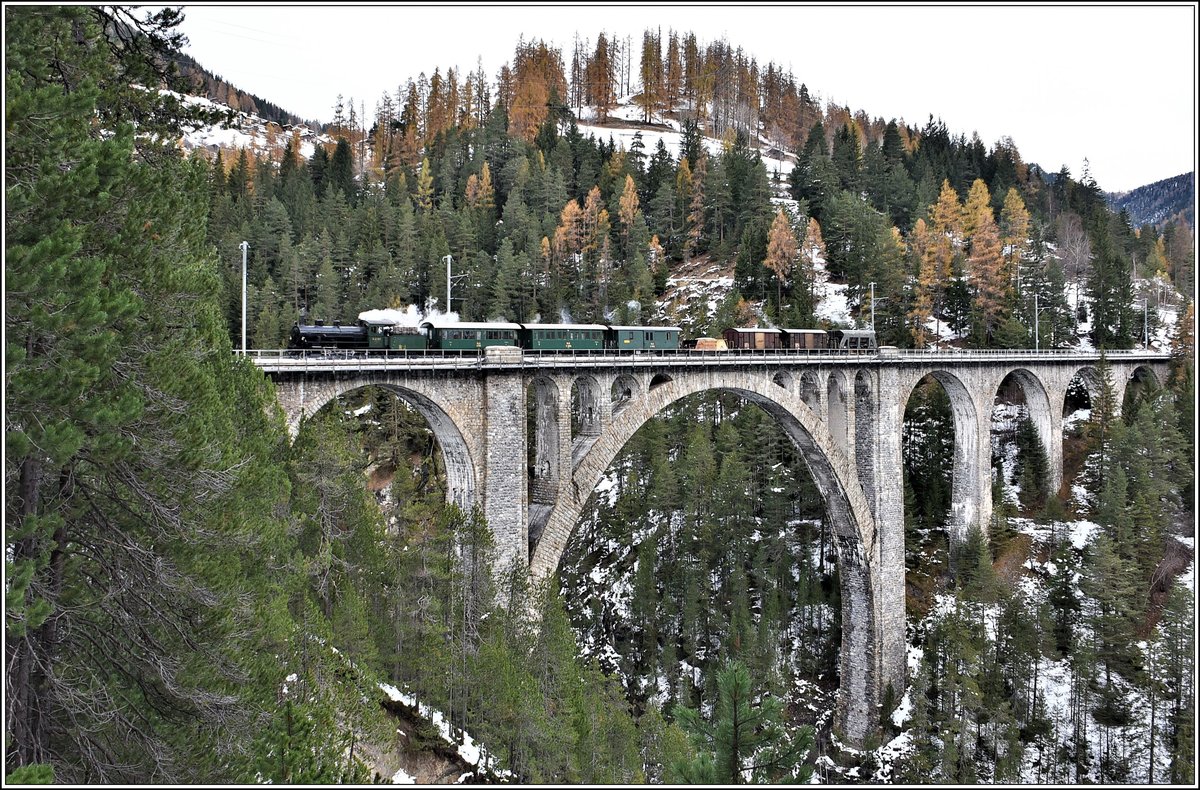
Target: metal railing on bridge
x=335 y=360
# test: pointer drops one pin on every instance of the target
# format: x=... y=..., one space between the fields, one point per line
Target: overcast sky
x=1113 y=84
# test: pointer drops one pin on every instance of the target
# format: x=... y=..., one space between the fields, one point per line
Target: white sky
x=1115 y=84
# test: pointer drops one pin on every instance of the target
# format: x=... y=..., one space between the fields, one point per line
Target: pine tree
x=1104 y=417
x=1110 y=287
x=1061 y=596
x=812 y=251
x=1108 y=581
x=1032 y=465
x=294 y=747
x=133 y=433
x=745 y=740
x=1178 y=668
x=341 y=171
x=846 y=157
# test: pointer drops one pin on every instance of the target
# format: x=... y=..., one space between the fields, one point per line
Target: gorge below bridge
x=843 y=411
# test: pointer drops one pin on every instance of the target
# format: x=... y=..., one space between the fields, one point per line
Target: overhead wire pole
x=245 y=245
x=450 y=279
x=1037 y=312
x=872 y=307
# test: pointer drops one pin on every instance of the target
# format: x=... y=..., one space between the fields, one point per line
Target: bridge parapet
x=274 y=361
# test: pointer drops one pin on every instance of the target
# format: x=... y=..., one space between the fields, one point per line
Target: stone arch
x=625 y=390
x=1146 y=373
x=544 y=458
x=461 y=475
x=810 y=391
x=971 y=491
x=1042 y=415
x=837 y=404
x=1140 y=378
x=660 y=379
x=848 y=512
x=783 y=379
x=1090 y=378
x=586 y=407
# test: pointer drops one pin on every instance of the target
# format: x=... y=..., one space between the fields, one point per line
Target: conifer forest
x=194 y=596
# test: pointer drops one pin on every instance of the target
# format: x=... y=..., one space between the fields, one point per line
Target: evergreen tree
x=141 y=524
x=847 y=158
x=1032 y=466
x=1110 y=288
x=1178 y=675
x=745 y=739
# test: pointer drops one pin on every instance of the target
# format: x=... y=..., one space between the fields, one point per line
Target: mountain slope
x=1156 y=203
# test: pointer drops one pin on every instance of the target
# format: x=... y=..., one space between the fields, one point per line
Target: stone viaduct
x=844 y=412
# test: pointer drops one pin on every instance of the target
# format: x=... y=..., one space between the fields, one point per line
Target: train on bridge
x=465 y=337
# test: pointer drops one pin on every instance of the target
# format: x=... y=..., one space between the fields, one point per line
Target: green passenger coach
x=562 y=337
x=471 y=337
x=644 y=338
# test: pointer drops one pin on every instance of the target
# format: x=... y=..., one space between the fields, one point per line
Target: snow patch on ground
x=834 y=304
x=467 y=749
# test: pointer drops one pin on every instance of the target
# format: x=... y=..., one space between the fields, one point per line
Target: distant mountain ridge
x=1156 y=203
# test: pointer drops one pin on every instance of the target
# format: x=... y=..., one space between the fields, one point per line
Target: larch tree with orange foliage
x=673 y=85
x=538 y=75
x=683 y=188
x=696 y=210
x=947 y=214
x=1014 y=233
x=921 y=248
x=601 y=78
x=569 y=233
x=650 y=98
x=628 y=208
x=978 y=205
x=987 y=277
x=781 y=253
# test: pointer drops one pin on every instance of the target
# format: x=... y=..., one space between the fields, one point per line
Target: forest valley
x=192 y=596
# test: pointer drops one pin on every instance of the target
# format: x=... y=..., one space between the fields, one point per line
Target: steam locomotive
x=463 y=337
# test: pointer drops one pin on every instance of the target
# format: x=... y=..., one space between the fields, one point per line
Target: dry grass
x=1010 y=565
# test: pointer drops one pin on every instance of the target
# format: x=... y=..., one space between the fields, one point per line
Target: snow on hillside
x=1042 y=762
x=625 y=121
x=248 y=131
